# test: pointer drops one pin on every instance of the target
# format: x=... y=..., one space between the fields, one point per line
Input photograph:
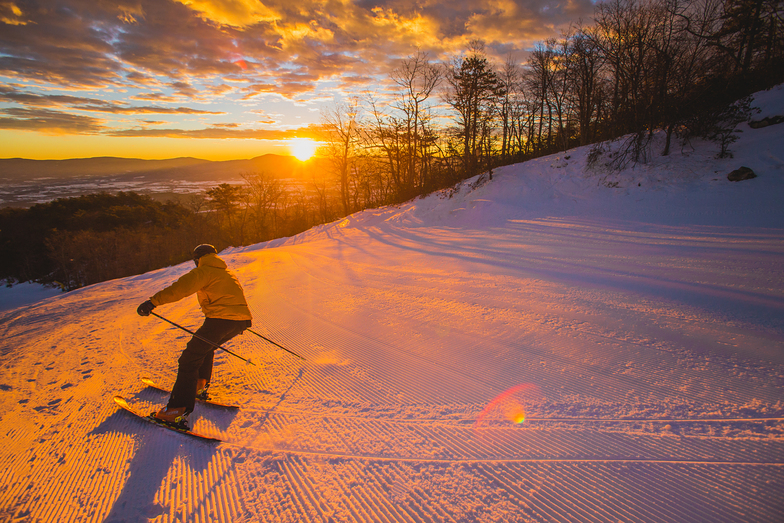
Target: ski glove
x=145 y=308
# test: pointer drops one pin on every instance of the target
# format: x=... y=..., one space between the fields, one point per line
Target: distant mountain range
x=191 y=169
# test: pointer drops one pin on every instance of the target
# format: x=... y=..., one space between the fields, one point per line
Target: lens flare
x=510 y=405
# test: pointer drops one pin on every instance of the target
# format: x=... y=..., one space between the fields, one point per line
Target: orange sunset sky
x=224 y=79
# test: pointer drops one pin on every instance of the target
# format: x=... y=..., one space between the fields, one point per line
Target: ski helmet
x=203 y=249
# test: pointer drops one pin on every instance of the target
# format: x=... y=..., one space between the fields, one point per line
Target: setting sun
x=302 y=148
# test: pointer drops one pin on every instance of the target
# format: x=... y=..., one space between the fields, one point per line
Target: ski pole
x=279 y=346
x=214 y=345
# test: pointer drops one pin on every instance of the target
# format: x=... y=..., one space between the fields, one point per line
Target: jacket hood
x=212 y=260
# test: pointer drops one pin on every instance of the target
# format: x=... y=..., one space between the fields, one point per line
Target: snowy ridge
x=635 y=320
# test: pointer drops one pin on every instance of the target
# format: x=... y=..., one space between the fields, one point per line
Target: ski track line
x=547 y=508
x=388 y=496
x=622 y=491
x=59 y=489
x=748 y=388
x=385 y=383
x=444 y=460
x=372 y=392
x=465 y=443
x=346 y=496
x=679 y=484
x=510 y=480
x=205 y=490
x=383 y=510
x=316 y=505
x=611 y=492
x=585 y=509
x=560 y=504
x=512 y=485
x=419 y=508
x=217 y=477
x=360 y=339
x=584 y=478
x=528 y=420
x=432 y=506
x=670 y=514
x=374 y=500
x=618 y=491
x=563 y=361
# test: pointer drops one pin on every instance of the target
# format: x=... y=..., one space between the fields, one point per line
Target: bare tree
x=342 y=133
x=417 y=78
x=510 y=82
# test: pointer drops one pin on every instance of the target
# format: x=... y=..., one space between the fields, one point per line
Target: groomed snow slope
x=636 y=321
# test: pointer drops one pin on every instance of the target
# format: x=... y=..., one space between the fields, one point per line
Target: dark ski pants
x=196 y=359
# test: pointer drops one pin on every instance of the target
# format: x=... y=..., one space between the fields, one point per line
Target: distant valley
x=27 y=182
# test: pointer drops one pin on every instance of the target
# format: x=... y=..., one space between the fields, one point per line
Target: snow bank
x=24 y=294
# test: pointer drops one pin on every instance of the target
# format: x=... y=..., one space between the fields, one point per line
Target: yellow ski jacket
x=219 y=292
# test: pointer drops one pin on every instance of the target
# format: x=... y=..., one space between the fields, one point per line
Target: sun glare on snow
x=302 y=148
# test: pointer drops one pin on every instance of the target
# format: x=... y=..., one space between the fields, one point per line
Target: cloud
x=238 y=13
x=48 y=121
x=8 y=94
x=154 y=97
x=90 y=104
x=86 y=43
x=162 y=52
x=220 y=132
x=58 y=46
x=148 y=109
x=185 y=89
x=11 y=14
x=287 y=85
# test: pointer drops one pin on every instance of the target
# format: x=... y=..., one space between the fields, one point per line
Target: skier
x=226 y=315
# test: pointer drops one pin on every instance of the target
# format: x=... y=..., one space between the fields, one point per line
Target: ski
x=209 y=401
x=119 y=400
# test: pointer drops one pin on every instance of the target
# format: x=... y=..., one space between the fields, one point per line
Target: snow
x=24 y=294
x=634 y=320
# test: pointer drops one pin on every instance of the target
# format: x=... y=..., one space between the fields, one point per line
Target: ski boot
x=176 y=417
x=201 y=389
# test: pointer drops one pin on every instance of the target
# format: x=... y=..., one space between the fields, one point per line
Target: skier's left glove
x=145 y=308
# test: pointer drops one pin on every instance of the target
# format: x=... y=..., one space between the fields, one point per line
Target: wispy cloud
x=48 y=121
x=220 y=131
x=91 y=104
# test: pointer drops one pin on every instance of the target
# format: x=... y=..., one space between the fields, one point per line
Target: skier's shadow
x=156 y=451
